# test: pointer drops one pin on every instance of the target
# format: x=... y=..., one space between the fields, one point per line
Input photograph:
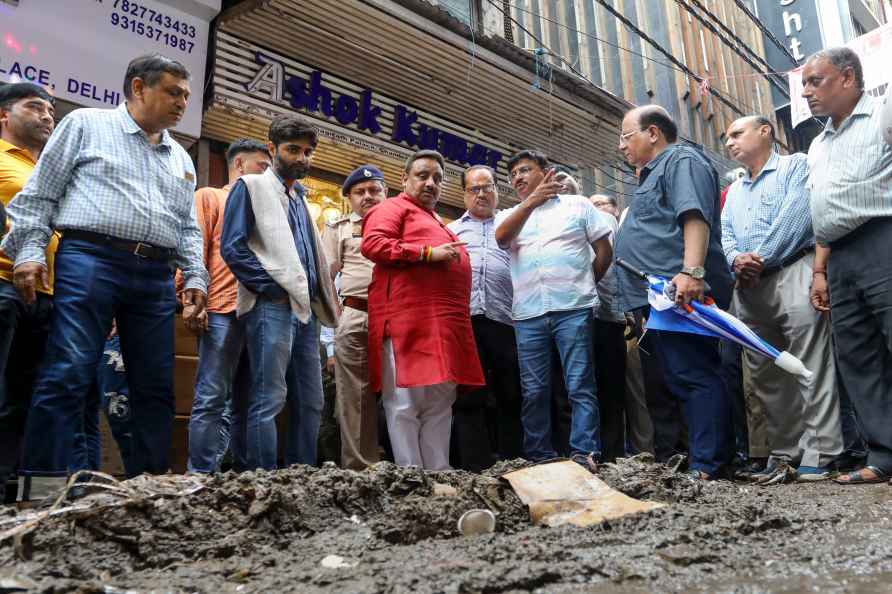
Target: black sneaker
x=777 y=471
x=749 y=468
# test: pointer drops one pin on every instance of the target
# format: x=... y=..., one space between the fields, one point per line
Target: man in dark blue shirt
x=673 y=230
x=273 y=249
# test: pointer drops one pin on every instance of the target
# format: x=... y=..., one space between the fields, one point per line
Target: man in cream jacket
x=272 y=246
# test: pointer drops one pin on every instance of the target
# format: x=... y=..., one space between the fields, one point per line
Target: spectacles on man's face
x=624 y=136
x=484 y=189
x=519 y=171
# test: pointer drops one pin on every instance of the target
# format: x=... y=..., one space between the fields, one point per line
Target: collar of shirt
x=862 y=109
x=468 y=217
x=18 y=153
x=354 y=217
x=770 y=165
x=296 y=187
x=655 y=163
x=131 y=127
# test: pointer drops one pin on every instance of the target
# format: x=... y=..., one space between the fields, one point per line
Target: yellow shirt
x=16 y=166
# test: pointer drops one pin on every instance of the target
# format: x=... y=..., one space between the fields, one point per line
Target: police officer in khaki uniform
x=356 y=407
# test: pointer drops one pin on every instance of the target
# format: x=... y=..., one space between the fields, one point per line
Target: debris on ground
x=563 y=492
x=392 y=529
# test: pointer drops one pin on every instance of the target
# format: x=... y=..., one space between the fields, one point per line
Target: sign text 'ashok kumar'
x=310 y=93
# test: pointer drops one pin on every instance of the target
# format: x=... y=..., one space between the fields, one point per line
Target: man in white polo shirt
x=551 y=237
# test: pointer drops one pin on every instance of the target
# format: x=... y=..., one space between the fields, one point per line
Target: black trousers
x=23 y=335
x=732 y=374
x=860 y=279
x=610 y=379
x=486 y=422
x=670 y=429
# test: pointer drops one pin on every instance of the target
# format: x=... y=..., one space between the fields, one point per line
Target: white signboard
x=874 y=49
x=79 y=49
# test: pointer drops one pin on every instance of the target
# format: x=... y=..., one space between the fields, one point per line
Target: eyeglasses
x=626 y=135
x=484 y=189
x=515 y=173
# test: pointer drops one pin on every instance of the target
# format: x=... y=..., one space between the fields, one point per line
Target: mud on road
x=394 y=530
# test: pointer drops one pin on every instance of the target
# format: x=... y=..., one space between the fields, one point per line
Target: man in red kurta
x=421 y=345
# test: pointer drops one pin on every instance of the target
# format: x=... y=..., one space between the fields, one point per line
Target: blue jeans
x=93 y=285
x=110 y=394
x=692 y=370
x=219 y=351
x=305 y=396
x=571 y=333
x=283 y=357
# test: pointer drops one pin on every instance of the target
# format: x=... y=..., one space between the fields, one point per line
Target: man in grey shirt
x=850 y=180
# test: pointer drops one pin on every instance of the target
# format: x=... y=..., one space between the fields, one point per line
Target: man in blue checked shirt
x=769 y=243
x=482 y=428
x=119 y=188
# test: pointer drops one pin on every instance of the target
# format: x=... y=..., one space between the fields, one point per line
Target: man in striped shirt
x=851 y=203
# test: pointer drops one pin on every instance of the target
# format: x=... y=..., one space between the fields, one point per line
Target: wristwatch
x=695 y=272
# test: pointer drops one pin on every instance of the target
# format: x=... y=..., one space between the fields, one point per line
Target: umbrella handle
x=629 y=268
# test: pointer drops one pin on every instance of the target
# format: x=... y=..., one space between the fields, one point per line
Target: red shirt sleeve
x=382 y=236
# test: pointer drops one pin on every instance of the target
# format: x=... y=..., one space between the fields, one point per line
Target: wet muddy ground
x=393 y=530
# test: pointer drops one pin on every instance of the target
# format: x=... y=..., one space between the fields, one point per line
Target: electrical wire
x=587 y=34
x=741 y=43
x=767 y=74
x=758 y=22
x=520 y=26
x=715 y=92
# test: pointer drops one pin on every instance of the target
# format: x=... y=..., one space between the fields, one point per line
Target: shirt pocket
x=178 y=193
x=649 y=198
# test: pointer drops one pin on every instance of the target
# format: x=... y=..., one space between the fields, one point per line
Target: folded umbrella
x=708 y=320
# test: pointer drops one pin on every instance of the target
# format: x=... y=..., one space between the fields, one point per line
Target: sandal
x=857 y=477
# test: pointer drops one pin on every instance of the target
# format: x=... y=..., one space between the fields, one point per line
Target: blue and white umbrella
x=708 y=320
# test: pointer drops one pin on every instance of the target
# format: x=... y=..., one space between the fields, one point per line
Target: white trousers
x=419 y=419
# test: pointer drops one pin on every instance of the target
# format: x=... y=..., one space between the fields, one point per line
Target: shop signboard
x=874 y=49
x=270 y=77
x=79 y=49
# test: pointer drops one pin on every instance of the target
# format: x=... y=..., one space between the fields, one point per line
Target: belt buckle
x=139 y=246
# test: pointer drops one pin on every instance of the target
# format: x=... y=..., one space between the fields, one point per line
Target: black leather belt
x=789 y=261
x=137 y=248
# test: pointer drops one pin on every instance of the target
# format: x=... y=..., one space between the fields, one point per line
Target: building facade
x=792 y=30
x=381 y=79
x=703 y=60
